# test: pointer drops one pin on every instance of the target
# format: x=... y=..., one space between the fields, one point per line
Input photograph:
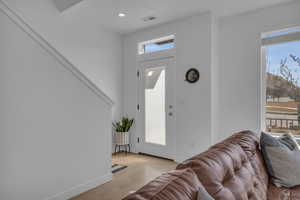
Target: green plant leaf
x=123 y=125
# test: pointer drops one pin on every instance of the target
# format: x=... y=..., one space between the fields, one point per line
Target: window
x=282 y=79
x=280 y=33
x=160 y=44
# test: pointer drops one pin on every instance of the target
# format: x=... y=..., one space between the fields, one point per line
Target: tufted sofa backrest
x=233 y=169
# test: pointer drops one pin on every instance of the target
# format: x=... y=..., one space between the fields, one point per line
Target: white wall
x=193 y=49
x=215 y=76
x=239 y=64
x=95 y=51
x=227 y=51
x=55 y=132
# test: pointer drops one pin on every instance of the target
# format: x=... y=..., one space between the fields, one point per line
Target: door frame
x=157 y=57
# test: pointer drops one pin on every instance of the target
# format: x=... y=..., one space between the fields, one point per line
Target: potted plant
x=121 y=129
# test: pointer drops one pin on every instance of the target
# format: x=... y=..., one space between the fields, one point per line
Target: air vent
x=149 y=18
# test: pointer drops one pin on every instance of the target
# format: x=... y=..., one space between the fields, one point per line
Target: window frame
x=267 y=41
x=141 y=45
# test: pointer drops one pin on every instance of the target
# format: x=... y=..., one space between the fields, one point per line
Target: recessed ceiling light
x=121 y=14
x=150 y=73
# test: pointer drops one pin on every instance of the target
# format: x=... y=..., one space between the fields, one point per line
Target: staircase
x=55 y=124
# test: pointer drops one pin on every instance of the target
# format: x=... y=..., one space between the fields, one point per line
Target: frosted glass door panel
x=155 y=114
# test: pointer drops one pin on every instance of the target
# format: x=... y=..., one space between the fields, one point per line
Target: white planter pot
x=122 y=138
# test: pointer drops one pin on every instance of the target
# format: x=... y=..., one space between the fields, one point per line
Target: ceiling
x=105 y=12
x=63 y=5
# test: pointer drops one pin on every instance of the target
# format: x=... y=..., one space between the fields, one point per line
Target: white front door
x=157 y=108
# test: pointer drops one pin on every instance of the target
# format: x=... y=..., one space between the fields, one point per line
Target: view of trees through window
x=283 y=88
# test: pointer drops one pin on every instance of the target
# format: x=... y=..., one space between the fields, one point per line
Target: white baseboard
x=81 y=188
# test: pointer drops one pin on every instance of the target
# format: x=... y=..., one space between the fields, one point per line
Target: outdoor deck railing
x=282 y=123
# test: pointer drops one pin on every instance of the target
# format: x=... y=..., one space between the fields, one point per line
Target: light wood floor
x=141 y=169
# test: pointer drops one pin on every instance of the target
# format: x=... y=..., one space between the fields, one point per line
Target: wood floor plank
x=141 y=169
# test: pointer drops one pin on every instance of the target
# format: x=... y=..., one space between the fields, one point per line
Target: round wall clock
x=192 y=75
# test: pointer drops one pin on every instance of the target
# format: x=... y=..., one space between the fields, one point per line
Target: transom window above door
x=155 y=45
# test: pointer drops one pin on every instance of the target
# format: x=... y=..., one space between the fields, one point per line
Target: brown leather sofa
x=231 y=170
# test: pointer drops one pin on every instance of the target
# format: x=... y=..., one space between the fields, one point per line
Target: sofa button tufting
x=249 y=195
